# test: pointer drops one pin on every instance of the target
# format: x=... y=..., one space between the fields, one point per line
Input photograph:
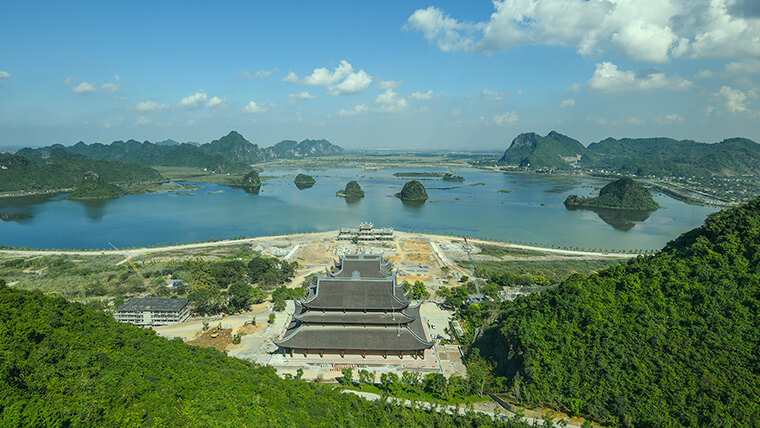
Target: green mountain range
x=58 y=169
x=636 y=156
x=666 y=340
x=231 y=153
x=95 y=188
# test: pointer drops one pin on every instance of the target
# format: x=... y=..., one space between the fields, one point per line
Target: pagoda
x=359 y=308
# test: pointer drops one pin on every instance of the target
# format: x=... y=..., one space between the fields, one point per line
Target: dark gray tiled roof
x=357 y=295
x=362 y=266
x=152 y=304
x=410 y=337
x=339 y=317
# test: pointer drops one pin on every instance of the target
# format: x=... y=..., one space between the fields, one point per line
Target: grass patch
x=499 y=252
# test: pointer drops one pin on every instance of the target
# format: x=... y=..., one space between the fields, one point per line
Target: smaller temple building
x=359 y=308
x=366 y=232
x=153 y=311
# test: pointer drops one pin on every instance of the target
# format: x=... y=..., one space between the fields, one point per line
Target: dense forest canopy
x=60 y=169
x=669 y=339
x=66 y=365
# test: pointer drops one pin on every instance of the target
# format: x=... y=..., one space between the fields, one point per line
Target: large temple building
x=359 y=308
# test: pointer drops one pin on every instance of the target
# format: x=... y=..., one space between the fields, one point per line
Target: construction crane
x=126 y=257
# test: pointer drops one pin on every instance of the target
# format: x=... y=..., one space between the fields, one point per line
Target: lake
x=530 y=212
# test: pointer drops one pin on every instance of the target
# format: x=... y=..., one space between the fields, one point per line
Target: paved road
x=503 y=415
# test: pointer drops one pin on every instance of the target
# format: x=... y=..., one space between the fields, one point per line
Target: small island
x=352 y=191
x=95 y=188
x=304 y=181
x=413 y=191
x=251 y=182
x=623 y=194
x=451 y=177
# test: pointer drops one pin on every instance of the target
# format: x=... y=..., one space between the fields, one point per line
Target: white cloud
x=423 y=95
x=261 y=74
x=567 y=103
x=506 y=118
x=359 y=108
x=575 y=87
x=215 y=102
x=143 y=120
x=735 y=100
x=193 y=101
x=304 y=95
x=84 y=88
x=389 y=84
x=488 y=94
x=150 y=106
x=645 y=30
x=635 y=121
x=704 y=74
x=391 y=102
x=670 y=119
x=448 y=33
x=746 y=67
x=353 y=84
x=69 y=80
x=341 y=81
x=253 y=107
x=608 y=78
x=4 y=75
x=112 y=86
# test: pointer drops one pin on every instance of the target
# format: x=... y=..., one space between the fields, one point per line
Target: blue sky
x=444 y=75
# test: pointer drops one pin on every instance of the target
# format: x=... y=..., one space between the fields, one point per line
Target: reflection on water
x=18 y=217
x=94 y=210
x=352 y=200
x=620 y=219
x=302 y=186
x=413 y=204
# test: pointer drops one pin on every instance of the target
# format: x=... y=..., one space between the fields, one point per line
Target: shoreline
x=225 y=242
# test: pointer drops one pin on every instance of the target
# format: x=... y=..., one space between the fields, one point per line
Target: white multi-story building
x=153 y=311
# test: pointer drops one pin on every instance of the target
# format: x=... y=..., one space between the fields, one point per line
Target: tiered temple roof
x=360 y=307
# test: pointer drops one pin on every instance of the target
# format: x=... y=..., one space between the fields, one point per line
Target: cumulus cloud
x=343 y=80
x=353 y=84
x=645 y=30
x=670 y=119
x=359 y=108
x=744 y=67
x=609 y=79
x=261 y=74
x=253 y=107
x=69 y=80
x=417 y=95
x=488 y=94
x=567 y=103
x=506 y=118
x=215 y=102
x=734 y=99
x=150 y=106
x=193 y=101
x=389 y=84
x=84 y=88
x=635 y=121
x=391 y=102
x=143 y=120
x=112 y=86
x=304 y=95
x=4 y=75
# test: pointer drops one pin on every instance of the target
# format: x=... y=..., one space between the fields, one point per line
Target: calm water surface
x=474 y=208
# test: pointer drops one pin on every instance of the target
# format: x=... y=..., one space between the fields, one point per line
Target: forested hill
x=146 y=154
x=231 y=153
x=669 y=157
x=59 y=169
x=66 y=365
x=306 y=148
x=533 y=151
x=667 y=340
x=639 y=156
